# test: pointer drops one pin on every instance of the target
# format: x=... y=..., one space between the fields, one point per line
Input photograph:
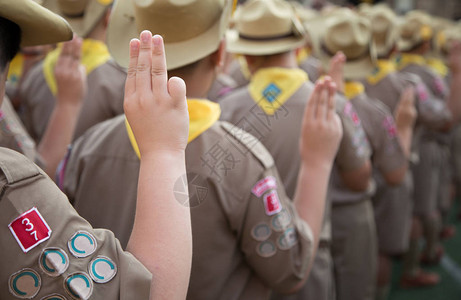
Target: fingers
x=331 y=101
x=130 y=84
x=143 y=67
x=312 y=103
x=177 y=91
x=158 y=71
x=321 y=109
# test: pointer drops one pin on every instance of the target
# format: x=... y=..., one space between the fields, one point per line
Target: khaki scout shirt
x=13 y=135
x=247 y=236
x=47 y=249
x=104 y=99
x=312 y=67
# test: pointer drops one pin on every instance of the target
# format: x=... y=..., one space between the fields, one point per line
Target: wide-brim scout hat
x=264 y=27
x=415 y=29
x=39 y=26
x=346 y=31
x=82 y=15
x=191 y=29
x=383 y=27
x=445 y=40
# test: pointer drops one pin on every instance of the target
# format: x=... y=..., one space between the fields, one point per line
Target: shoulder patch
x=245 y=142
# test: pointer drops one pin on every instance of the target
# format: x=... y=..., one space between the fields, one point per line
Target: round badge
x=53 y=261
x=79 y=285
x=54 y=297
x=102 y=269
x=82 y=244
x=25 y=284
x=266 y=249
x=261 y=232
x=281 y=220
x=288 y=239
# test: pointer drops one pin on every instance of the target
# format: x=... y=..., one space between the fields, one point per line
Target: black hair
x=10 y=39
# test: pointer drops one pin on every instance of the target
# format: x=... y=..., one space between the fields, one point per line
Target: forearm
x=405 y=136
x=161 y=238
x=58 y=135
x=454 y=98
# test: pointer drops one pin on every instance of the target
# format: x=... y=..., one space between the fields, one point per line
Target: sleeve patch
x=264 y=185
x=422 y=93
x=389 y=125
x=30 y=229
x=272 y=203
x=25 y=284
x=351 y=113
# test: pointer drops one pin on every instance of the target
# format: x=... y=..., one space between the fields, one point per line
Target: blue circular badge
x=25 y=284
x=78 y=285
x=102 y=269
x=53 y=261
x=54 y=297
x=82 y=244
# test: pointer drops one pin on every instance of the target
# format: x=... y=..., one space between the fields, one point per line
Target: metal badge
x=78 y=285
x=25 y=283
x=82 y=244
x=266 y=249
x=54 y=297
x=53 y=261
x=102 y=269
x=261 y=232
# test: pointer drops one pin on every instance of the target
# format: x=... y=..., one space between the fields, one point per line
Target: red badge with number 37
x=30 y=229
x=272 y=203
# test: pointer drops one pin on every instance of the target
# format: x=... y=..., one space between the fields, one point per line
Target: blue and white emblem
x=102 y=269
x=53 y=261
x=25 y=284
x=82 y=244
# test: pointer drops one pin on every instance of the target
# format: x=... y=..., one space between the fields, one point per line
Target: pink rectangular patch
x=263 y=185
x=30 y=229
x=272 y=203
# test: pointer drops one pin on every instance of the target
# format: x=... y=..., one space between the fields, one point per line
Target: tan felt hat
x=39 y=26
x=445 y=38
x=82 y=15
x=415 y=29
x=191 y=29
x=264 y=27
x=384 y=28
x=346 y=31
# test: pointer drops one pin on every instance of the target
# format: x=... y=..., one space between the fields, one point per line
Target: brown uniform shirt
x=47 y=249
x=311 y=66
x=247 y=236
x=104 y=99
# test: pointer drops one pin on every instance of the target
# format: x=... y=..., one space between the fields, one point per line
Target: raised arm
x=156 y=109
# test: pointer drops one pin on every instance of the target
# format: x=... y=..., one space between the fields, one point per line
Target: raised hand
x=155 y=107
x=405 y=113
x=335 y=70
x=70 y=73
x=321 y=127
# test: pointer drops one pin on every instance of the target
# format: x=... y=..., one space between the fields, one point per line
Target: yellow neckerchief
x=302 y=54
x=94 y=54
x=404 y=59
x=352 y=89
x=437 y=65
x=15 y=70
x=384 y=68
x=202 y=114
x=270 y=88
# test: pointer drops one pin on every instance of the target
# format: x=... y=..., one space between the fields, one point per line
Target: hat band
x=74 y=16
x=264 y=38
x=366 y=53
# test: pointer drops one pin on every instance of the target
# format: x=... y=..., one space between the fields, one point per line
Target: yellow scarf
x=15 y=71
x=352 y=89
x=94 y=54
x=404 y=59
x=302 y=54
x=438 y=66
x=202 y=114
x=270 y=88
x=384 y=68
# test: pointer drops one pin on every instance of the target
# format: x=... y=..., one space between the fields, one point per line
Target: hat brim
x=83 y=25
x=235 y=44
x=355 y=69
x=122 y=28
x=39 y=26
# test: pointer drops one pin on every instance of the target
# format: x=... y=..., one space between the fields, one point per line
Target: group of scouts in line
x=320 y=145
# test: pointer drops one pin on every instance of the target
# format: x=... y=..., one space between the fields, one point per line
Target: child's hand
x=335 y=70
x=155 y=107
x=405 y=113
x=70 y=73
x=321 y=127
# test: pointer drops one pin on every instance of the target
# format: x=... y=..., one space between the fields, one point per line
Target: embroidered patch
x=25 y=284
x=102 y=269
x=54 y=297
x=351 y=113
x=272 y=203
x=281 y=221
x=390 y=127
x=271 y=92
x=264 y=185
x=82 y=244
x=261 y=232
x=288 y=239
x=79 y=285
x=30 y=229
x=53 y=261
x=422 y=92
x=439 y=85
x=266 y=249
